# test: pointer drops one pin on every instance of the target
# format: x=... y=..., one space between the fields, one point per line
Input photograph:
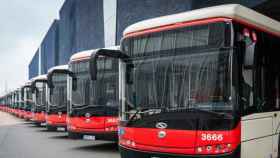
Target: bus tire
x=37 y=124
x=72 y=135
x=50 y=128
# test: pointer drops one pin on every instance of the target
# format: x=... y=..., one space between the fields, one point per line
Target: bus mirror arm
x=33 y=87
x=117 y=54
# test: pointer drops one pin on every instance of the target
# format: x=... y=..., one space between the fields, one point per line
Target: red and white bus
x=38 y=87
x=27 y=101
x=56 y=113
x=17 y=101
x=93 y=104
x=203 y=83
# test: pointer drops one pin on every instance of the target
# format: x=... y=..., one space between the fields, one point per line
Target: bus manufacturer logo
x=161 y=125
x=87 y=115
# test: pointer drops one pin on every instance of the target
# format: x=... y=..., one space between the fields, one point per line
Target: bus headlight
x=215 y=149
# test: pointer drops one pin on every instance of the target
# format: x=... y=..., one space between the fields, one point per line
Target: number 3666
x=212 y=137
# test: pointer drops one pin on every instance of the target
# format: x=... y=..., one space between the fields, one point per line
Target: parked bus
x=93 y=104
x=8 y=102
x=38 y=88
x=13 y=102
x=2 y=103
x=21 y=103
x=27 y=101
x=17 y=102
x=57 y=98
x=203 y=83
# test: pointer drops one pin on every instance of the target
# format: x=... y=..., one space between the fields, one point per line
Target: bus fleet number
x=212 y=137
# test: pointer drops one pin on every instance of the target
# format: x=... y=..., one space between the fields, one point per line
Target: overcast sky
x=23 y=25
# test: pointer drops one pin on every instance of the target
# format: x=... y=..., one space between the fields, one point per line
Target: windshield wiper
x=219 y=114
x=143 y=111
x=84 y=106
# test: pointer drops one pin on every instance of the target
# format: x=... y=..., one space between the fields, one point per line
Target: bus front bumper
x=109 y=136
x=131 y=153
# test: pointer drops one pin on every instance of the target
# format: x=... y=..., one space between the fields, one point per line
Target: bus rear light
x=214 y=149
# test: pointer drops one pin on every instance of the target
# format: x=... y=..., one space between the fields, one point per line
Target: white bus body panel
x=259 y=135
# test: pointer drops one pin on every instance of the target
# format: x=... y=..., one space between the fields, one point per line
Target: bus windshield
x=186 y=68
x=28 y=94
x=41 y=94
x=58 y=97
x=99 y=93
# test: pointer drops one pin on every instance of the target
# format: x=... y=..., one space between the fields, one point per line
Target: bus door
x=259 y=114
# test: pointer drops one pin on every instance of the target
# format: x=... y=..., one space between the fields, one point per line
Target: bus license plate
x=60 y=129
x=43 y=124
x=88 y=137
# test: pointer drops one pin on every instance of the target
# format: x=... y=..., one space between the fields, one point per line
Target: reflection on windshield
x=58 y=97
x=41 y=94
x=103 y=91
x=182 y=68
x=187 y=81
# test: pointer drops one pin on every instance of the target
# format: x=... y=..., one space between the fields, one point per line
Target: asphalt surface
x=20 y=139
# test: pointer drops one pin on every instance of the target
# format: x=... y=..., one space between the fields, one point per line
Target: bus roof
x=60 y=67
x=86 y=54
x=40 y=77
x=232 y=11
x=27 y=83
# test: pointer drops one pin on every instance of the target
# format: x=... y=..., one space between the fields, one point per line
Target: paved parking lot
x=19 y=139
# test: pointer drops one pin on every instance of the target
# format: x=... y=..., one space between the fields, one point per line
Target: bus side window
x=266 y=73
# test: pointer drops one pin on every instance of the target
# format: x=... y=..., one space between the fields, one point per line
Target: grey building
x=90 y=24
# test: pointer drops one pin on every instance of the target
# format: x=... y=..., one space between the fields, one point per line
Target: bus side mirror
x=50 y=82
x=93 y=67
x=51 y=91
x=22 y=92
x=249 y=56
x=129 y=77
x=33 y=87
x=74 y=83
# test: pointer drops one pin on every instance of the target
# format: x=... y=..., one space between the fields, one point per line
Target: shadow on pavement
x=45 y=130
x=34 y=126
x=28 y=123
x=59 y=137
x=106 y=147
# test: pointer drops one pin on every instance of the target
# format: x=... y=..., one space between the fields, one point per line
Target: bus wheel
x=72 y=135
x=37 y=124
x=50 y=128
